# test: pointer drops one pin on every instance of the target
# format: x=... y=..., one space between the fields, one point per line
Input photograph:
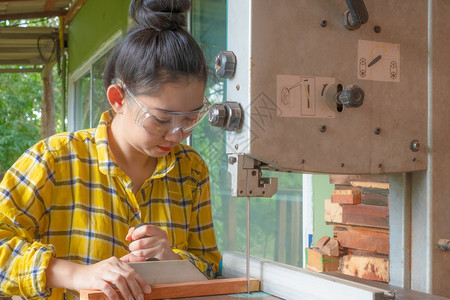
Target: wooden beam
x=73 y=11
x=33 y=15
x=360 y=215
x=347 y=196
x=49 y=5
x=372 y=268
x=362 y=239
x=12 y=62
x=349 y=179
x=187 y=289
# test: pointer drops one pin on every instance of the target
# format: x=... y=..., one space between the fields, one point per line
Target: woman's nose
x=175 y=135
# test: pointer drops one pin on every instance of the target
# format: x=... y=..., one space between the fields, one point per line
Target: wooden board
x=188 y=289
x=372 y=268
x=168 y=271
x=319 y=261
x=362 y=239
x=352 y=179
x=360 y=215
x=372 y=196
x=346 y=196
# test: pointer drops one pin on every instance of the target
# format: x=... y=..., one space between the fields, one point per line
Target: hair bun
x=160 y=14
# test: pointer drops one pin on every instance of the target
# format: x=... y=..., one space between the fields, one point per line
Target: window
x=87 y=95
x=275 y=223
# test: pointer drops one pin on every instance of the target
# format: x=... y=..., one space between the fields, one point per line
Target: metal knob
x=227 y=115
x=356 y=15
x=216 y=115
x=351 y=96
x=225 y=64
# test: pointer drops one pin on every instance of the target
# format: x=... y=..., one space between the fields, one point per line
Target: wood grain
x=361 y=239
x=372 y=268
x=188 y=289
x=360 y=215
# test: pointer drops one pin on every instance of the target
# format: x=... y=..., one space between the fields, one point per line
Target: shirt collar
x=107 y=162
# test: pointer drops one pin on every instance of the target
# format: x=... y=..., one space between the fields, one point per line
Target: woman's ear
x=116 y=97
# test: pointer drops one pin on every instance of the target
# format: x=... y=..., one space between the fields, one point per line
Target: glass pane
x=82 y=100
x=99 y=101
x=275 y=223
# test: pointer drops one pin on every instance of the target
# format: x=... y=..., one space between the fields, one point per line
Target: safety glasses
x=161 y=122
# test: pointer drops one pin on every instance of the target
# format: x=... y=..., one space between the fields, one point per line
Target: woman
x=70 y=204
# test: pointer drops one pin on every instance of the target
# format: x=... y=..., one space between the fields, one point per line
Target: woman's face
x=184 y=96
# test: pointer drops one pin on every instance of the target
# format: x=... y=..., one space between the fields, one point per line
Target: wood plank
x=347 y=196
x=366 y=215
x=362 y=239
x=359 y=215
x=372 y=184
x=347 y=179
x=188 y=289
x=168 y=271
x=33 y=15
x=372 y=268
x=333 y=212
x=371 y=196
x=318 y=261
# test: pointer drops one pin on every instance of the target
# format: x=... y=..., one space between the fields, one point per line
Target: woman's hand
x=150 y=241
x=105 y=276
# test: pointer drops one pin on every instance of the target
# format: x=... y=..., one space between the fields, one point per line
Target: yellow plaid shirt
x=66 y=197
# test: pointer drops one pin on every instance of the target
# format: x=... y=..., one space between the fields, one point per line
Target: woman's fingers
x=111 y=273
x=147 y=231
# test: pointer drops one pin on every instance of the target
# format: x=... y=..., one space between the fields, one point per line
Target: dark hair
x=157 y=50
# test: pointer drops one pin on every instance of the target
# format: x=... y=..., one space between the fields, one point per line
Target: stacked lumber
x=324 y=257
x=359 y=213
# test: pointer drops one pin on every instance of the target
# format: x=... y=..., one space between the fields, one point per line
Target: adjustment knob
x=225 y=64
x=227 y=115
x=217 y=114
x=351 y=96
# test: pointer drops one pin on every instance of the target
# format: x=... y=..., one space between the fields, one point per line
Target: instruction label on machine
x=303 y=96
x=378 y=61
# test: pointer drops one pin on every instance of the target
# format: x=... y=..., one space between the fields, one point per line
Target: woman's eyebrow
x=173 y=111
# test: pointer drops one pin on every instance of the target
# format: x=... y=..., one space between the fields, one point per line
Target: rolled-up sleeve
x=23 y=259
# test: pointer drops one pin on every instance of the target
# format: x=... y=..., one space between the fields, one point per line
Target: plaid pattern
x=66 y=197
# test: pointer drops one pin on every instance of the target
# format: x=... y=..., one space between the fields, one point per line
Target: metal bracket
x=246 y=178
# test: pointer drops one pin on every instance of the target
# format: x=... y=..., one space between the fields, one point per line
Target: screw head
x=322 y=128
x=232 y=160
x=415 y=146
x=377 y=130
x=225 y=64
x=377 y=29
x=323 y=23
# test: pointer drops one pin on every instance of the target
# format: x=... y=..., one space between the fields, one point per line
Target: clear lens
x=159 y=122
x=162 y=123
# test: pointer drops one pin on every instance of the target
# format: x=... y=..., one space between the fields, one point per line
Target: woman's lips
x=165 y=149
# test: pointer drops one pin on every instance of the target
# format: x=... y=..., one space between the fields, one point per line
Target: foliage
x=19 y=115
x=41 y=22
x=20 y=104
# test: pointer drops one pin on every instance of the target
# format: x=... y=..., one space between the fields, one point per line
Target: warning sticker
x=378 y=61
x=303 y=96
